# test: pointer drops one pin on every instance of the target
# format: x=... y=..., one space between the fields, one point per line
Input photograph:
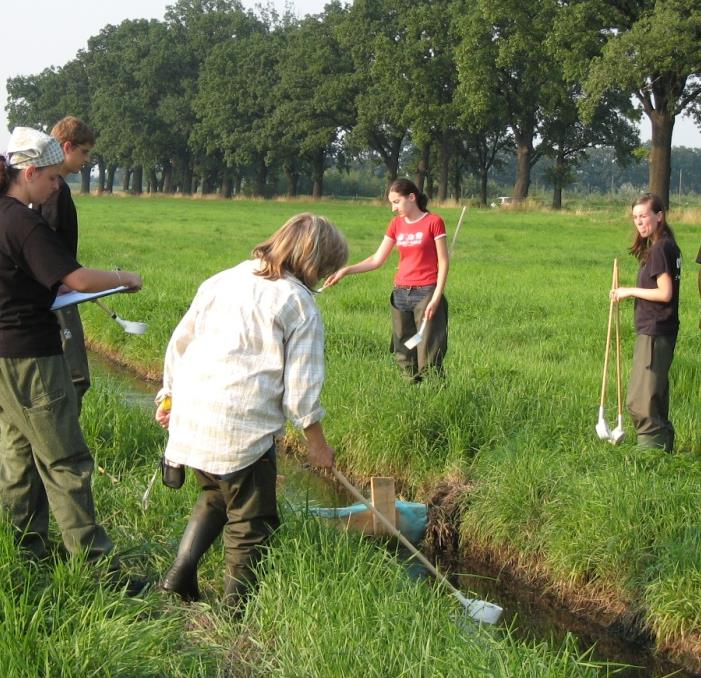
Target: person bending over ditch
x=247 y=356
x=76 y=140
x=420 y=238
x=44 y=461
x=656 y=322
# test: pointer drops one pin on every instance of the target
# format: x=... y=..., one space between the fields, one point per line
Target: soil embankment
x=592 y=612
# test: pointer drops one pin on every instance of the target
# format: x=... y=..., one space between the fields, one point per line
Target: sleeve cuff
x=311 y=418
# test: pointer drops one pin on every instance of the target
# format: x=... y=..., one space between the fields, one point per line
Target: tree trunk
x=126 y=182
x=429 y=186
x=392 y=162
x=660 y=162
x=168 y=178
x=444 y=167
x=261 y=178
x=85 y=179
x=100 y=176
x=227 y=184
x=457 y=183
x=207 y=184
x=484 y=176
x=152 y=180
x=423 y=166
x=318 y=175
x=524 y=148
x=557 y=194
x=188 y=178
x=137 y=184
x=109 y=183
x=292 y=176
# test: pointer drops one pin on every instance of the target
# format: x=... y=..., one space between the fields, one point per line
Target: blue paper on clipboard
x=73 y=298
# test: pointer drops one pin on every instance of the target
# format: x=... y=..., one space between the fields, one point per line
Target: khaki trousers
x=73 y=342
x=648 y=391
x=44 y=461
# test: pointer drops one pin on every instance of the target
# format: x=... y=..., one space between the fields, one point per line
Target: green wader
x=44 y=461
x=648 y=391
x=434 y=345
x=245 y=503
x=73 y=342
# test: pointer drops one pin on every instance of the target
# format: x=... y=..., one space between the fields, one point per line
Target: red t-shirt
x=418 y=258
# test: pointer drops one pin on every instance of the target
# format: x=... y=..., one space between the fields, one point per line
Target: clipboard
x=73 y=298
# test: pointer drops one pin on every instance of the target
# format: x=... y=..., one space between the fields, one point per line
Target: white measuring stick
x=457 y=230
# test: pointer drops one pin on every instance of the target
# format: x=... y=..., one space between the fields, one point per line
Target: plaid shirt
x=247 y=355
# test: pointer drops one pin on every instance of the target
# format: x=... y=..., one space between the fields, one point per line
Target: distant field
x=528 y=294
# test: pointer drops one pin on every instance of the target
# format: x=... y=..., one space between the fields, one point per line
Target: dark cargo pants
x=44 y=461
x=245 y=503
x=73 y=342
x=648 y=391
x=407 y=314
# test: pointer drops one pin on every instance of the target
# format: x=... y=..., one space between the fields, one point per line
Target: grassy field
x=528 y=294
x=329 y=605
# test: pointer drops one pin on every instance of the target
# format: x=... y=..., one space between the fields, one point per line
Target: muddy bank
x=593 y=612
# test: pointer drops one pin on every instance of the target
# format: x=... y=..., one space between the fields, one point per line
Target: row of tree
x=218 y=98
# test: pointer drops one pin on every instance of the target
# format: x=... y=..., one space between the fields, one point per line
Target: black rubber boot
x=203 y=528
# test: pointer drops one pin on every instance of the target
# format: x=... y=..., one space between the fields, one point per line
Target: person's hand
x=131 y=280
x=321 y=455
x=620 y=293
x=163 y=411
x=431 y=309
x=335 y=277
x=163 y=417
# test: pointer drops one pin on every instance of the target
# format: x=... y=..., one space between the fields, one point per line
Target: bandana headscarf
x=30 y=147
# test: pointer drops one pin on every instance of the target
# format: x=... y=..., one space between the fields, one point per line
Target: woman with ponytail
x=656 y=322
x=419 y=283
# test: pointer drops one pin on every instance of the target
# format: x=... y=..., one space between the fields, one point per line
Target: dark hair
x=7 y=175
x=406 y=187
x=641 y=246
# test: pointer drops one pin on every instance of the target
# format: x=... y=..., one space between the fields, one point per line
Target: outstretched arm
x=370 y=264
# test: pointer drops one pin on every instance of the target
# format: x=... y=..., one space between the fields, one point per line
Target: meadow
x=513 y=421
x=330 y=604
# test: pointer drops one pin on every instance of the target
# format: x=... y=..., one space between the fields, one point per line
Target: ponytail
x=7 y=175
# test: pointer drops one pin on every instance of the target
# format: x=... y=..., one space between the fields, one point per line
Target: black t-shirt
x=652 y=317
x=60 y=213
x=33 y=261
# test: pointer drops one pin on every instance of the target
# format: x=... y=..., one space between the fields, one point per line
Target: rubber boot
x=203 y=528
x=240 y=581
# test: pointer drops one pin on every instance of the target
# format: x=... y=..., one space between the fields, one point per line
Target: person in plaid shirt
x=247 y=357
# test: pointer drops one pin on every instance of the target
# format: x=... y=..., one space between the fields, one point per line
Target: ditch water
x=529 y=614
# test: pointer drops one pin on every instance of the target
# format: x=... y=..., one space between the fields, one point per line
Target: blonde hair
x=308 y=246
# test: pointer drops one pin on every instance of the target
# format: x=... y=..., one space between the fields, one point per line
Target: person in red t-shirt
x=417 y=296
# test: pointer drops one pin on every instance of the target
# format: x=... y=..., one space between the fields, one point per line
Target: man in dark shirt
x=76 y=140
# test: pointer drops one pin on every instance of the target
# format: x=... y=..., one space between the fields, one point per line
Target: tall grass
x=329 y=603
x=528 y=294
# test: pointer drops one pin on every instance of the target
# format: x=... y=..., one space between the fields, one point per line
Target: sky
x=57 y=34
